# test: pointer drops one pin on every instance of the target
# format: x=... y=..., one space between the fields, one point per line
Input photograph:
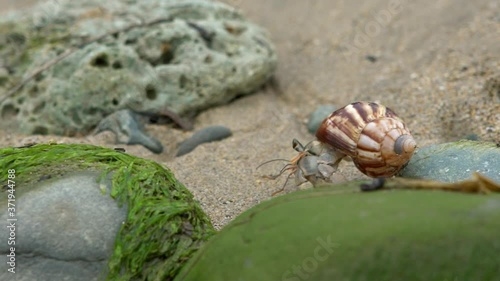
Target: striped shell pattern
x=376 y=139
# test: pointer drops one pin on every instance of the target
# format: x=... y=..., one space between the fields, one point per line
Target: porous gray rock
x=185 y=55
x=455 y=161
x=65 y=229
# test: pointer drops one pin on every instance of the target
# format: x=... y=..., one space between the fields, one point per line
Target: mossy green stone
x=339 y=233
x=165 y=225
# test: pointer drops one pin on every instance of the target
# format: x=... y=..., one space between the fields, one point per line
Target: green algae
x=164 y=226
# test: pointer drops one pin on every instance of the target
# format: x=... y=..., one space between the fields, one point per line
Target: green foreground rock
x=338 y=233
x=162 y=228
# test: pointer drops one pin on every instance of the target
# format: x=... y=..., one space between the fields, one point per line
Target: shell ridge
x=370 y=133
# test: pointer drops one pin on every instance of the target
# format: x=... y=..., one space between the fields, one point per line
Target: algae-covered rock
x=455 y=161
x=186 y=55
x=338 y=233
x=92 y=213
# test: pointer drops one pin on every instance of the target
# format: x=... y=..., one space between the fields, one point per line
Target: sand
x=436 y=63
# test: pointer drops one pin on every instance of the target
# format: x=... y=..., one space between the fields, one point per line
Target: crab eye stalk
x=297 y=146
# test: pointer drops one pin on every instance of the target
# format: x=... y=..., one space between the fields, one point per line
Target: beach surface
x=435 y=63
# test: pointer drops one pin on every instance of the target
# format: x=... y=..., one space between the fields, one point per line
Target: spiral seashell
x=376 y=139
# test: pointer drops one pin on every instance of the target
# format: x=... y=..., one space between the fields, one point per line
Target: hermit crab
x=370 y=134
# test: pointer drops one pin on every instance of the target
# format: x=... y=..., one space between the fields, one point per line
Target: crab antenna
x=284 y=169
x=272 y=160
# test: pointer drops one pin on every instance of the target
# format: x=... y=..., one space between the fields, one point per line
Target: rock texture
x=184 y=55
x=65 y=225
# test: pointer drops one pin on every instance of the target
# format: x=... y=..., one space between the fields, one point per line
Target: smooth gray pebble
x=318 y=116
x=208 y=134
x=454 y=161
x=129 y=130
